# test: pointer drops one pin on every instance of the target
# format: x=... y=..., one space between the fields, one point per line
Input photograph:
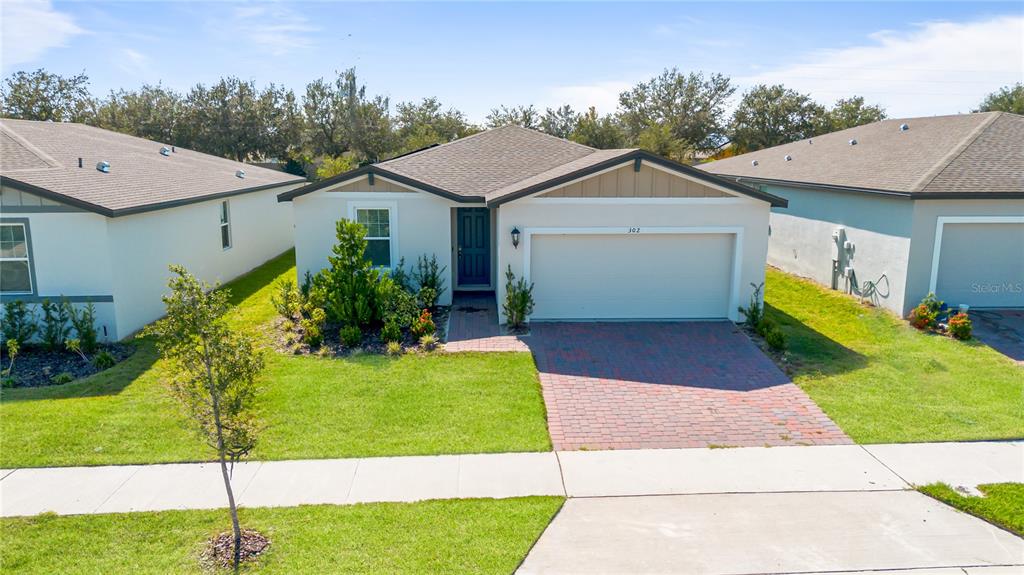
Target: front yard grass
x=418 y=404
x=1002 y=504
x=882 y=381
x=454 y=536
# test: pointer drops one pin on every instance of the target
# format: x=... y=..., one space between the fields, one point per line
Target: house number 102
x=634 y=230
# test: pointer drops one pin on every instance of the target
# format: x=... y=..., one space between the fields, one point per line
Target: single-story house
x=896 y=209
x=602 y=234
x=97 y=216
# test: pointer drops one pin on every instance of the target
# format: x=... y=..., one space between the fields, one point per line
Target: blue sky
x=915 y=58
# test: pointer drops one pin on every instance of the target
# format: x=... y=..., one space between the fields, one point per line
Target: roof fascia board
x=188 y=201
x=813 y=185
x=51 y=195
x=383 y=174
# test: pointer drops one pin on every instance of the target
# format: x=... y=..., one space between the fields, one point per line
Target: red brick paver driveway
x=660 y=385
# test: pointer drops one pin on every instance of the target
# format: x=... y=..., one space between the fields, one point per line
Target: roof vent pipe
x=103 y=167
x=788 y=158
x=165 y=151
x=79 y=162
x=174 y=150
x=853 y=142
x=904 y=127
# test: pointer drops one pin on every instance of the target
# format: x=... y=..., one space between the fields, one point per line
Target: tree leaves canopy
x=1006 y=99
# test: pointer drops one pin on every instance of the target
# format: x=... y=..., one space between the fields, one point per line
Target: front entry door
x=474 y=247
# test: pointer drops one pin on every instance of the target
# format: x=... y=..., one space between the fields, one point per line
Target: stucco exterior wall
x=143 y=245
x=421 y=224
x=925 y=215
x=70 y=257
x=880 y=228
x=748 y=214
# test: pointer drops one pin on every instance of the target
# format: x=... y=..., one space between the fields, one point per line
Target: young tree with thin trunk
x=214 y=373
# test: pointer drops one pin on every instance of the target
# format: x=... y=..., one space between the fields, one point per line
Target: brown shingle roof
x=488 y=161
x=44 y=157
x=506 y=163
x=965 y=154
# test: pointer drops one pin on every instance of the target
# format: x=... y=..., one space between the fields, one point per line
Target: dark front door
x=474 y=248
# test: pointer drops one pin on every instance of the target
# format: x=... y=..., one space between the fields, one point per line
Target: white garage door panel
x=626 y=276
x=982 y=264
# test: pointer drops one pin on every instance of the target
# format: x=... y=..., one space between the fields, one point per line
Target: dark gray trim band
x=110 y=213
x=71 y=298
x=40 y=209
x=31 y=256
x=881 y=192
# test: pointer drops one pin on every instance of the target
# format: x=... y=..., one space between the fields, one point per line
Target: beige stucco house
x=899 y=208
x=602 y=234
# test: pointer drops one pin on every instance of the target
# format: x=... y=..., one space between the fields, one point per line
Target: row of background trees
x=335 y=125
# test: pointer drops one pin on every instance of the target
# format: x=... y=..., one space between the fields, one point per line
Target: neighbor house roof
x=506 y=163
x=43 y=158
x=962 y=156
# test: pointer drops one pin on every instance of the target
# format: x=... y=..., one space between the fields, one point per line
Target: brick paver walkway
x=473 y=325
x=664 y=385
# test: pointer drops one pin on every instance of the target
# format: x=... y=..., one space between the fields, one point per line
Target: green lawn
x=883 y=381
x=455 y=536
x=1002 y=504
x=312 y=407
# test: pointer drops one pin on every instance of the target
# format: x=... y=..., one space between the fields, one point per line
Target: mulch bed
x=36 y=366
x=332 y=346
x=220 y=551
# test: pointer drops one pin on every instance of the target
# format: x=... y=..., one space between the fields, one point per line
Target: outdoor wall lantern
x=515 y=237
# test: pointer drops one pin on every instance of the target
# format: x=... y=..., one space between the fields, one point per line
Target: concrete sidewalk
x=110 y=489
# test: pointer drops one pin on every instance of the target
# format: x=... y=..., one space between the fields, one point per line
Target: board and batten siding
x=626 y=182
x=421 y=224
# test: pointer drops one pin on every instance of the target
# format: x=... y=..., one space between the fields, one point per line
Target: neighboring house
x=68 y=228
x=603 y=234
x=926 y=204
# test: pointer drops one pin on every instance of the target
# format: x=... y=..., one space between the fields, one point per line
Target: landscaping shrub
x=55 y=324
x=12 y=352
x=775 y=338
x=423 y=325
x=313 y=327
x=932 y=303
x=518 y=300
x=923 y=317
x=429 y=276
x=391 y=333
x=427 y=297
x=351 y=336
x=62 y=378
x=287 y=299
x=960 y=326
x=350 y=284
x=19 y=322
x=74 y=345
x=84 y=322
x=103 y=360
x=400 y=276
x=754 y=313
x=394 y=348
x=428 y=342
x=397 y=305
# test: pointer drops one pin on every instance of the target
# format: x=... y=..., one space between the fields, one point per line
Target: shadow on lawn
x=109 y=382
x=812 y=352
x=244 y=286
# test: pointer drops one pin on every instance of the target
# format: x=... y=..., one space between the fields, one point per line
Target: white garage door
x=631 y=276
x=982 y=265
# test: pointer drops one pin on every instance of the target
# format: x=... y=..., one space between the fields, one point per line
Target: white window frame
x=27 y=259
x=392 y=209
x=224 y=209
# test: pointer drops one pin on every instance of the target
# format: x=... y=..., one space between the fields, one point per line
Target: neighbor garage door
x=631 y=276
x=982 y=264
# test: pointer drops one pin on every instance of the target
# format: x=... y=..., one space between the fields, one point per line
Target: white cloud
x=602 y=95
x=936 y=68
x=275 y=29
x=135 y=63
x=30 y=28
